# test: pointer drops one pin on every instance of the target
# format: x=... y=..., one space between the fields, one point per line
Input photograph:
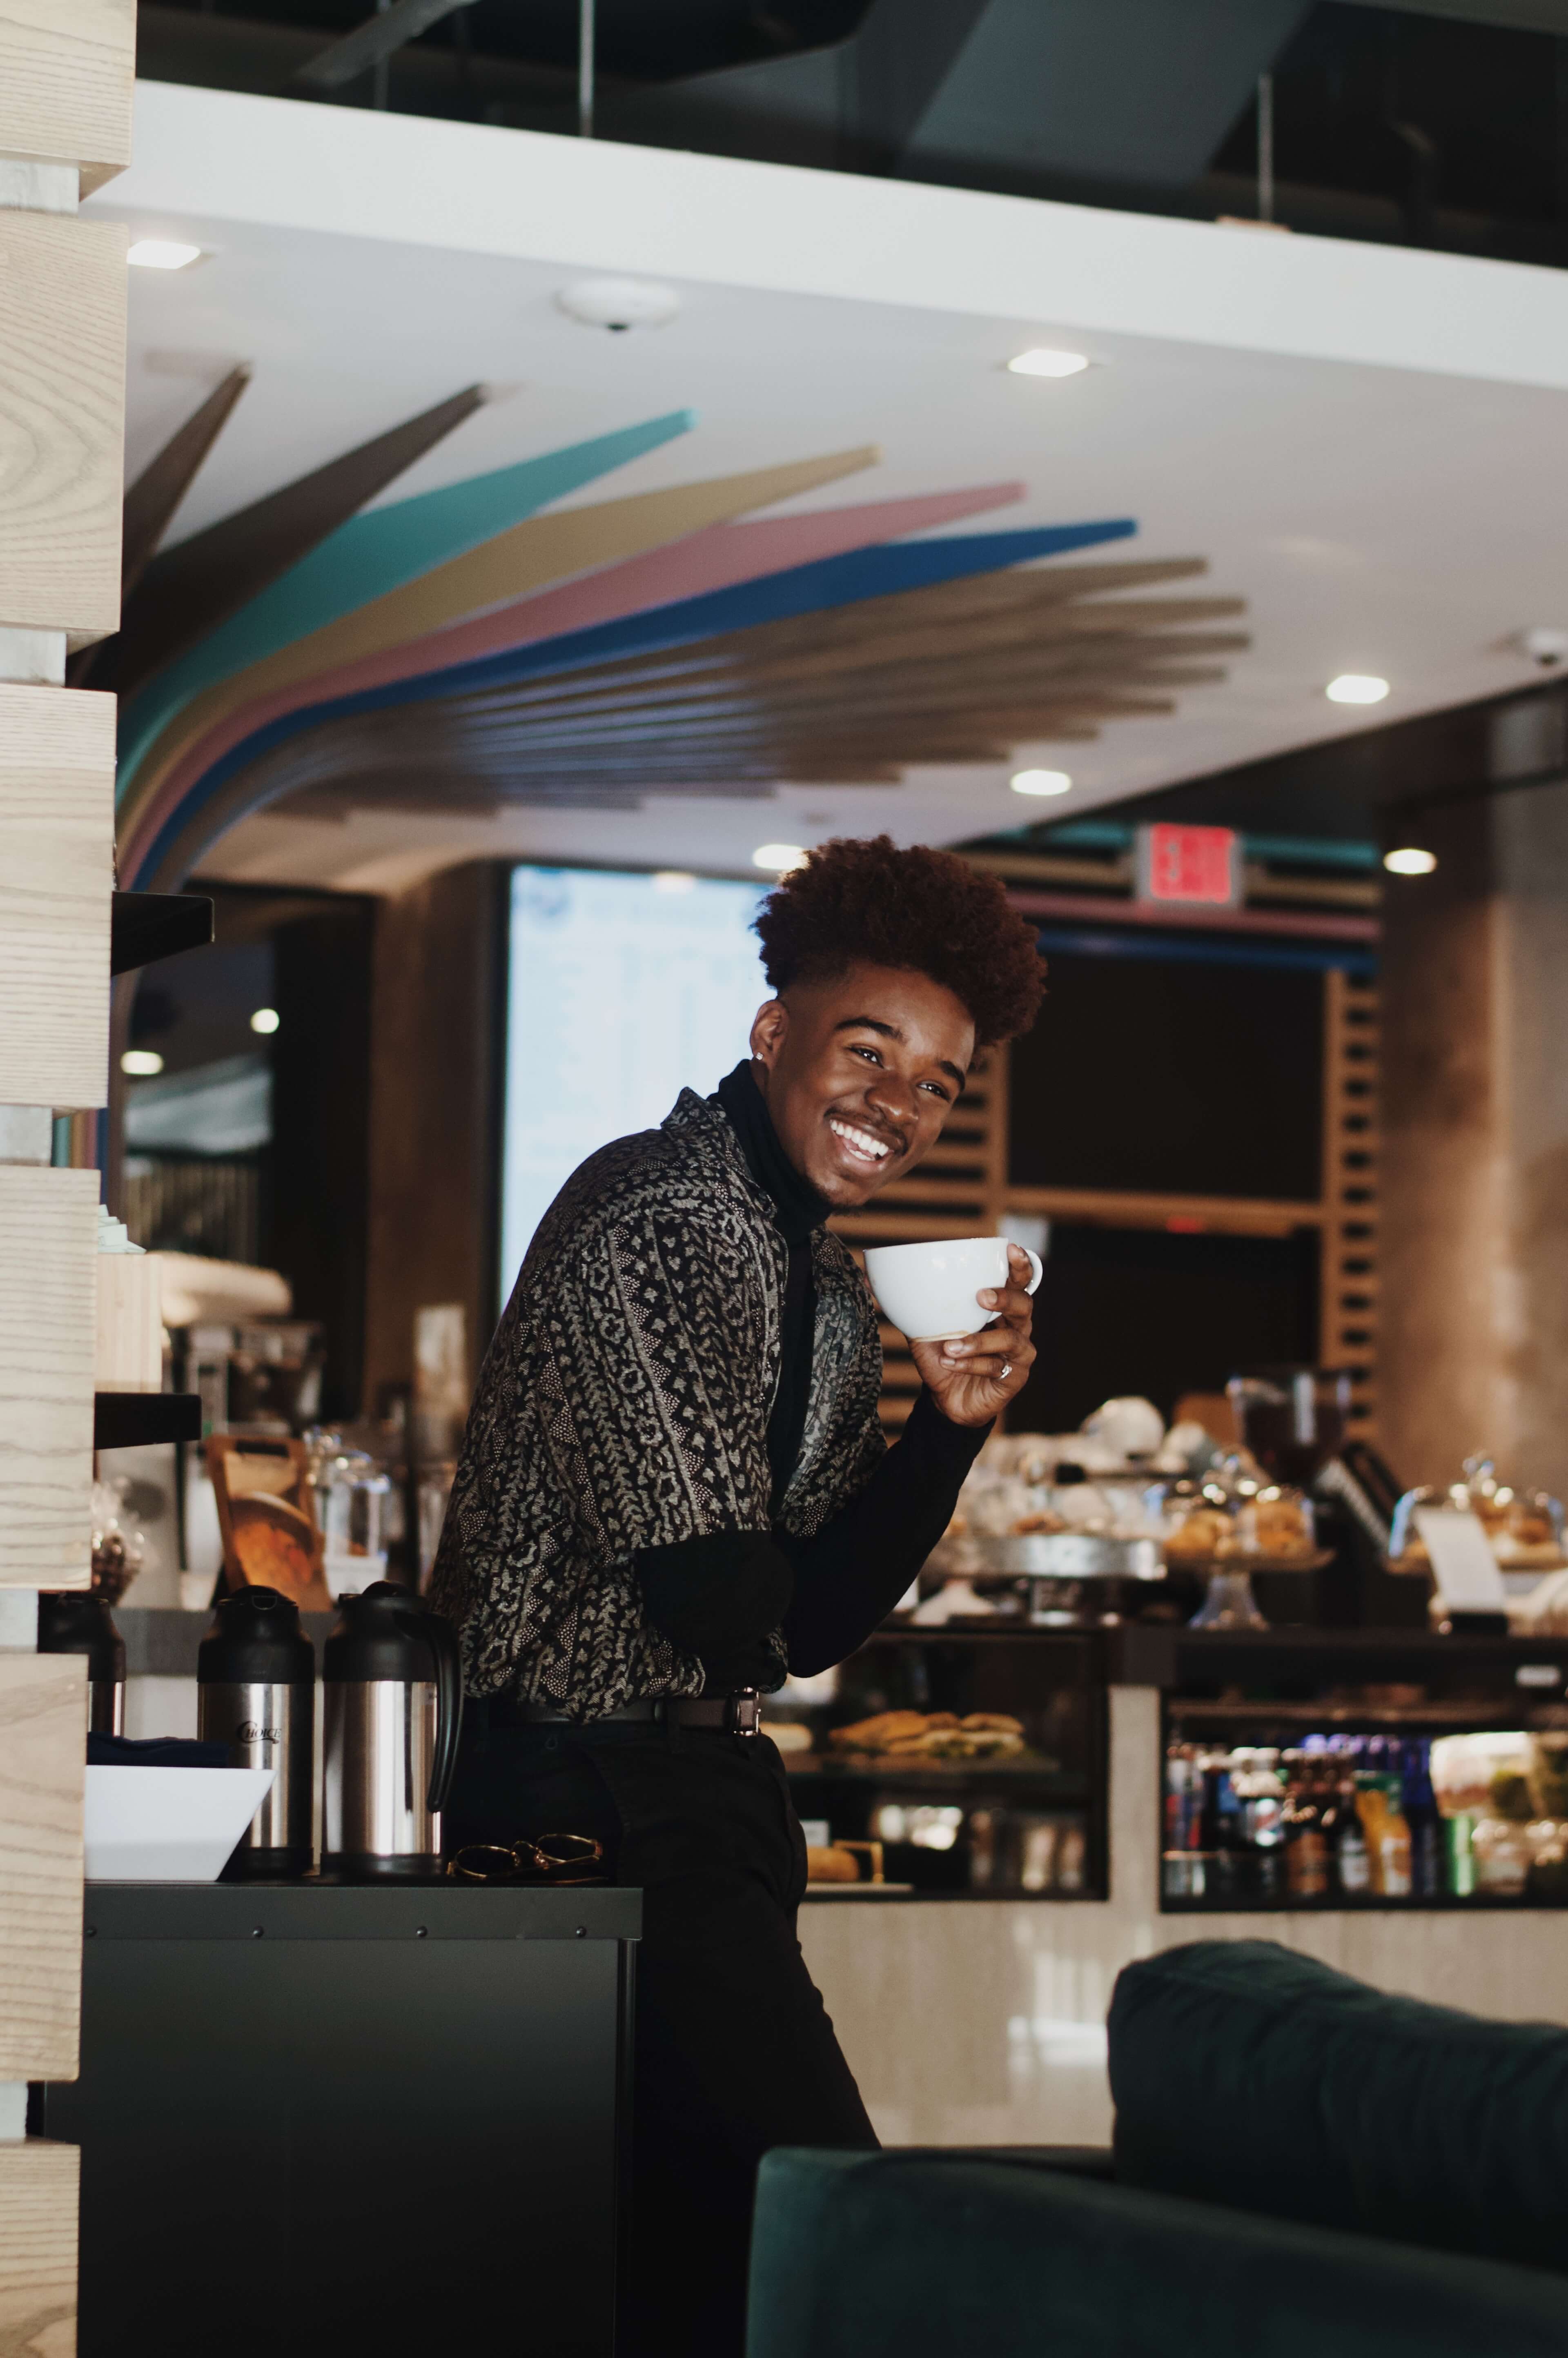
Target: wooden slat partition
x=1240 y=1216
x=48 y=1224
x=66 y=81
x=57 y=838
x=39 y=2208
x=43 y=1744
x=1348 y=1321
x=67 y=72
x=62 y=418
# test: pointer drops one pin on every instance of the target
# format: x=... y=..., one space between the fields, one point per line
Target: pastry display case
x=963 y=1764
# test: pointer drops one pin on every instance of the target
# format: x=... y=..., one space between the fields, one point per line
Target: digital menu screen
x=622 y=990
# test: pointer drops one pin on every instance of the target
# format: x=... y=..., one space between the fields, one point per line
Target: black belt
x=737 y=1714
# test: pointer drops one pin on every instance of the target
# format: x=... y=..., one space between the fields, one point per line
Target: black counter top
x=359 y=1911
x=1149 y=1655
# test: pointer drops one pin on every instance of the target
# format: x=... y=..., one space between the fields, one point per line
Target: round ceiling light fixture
x=1409 y=860
x=779 y=856
x=141 y=1064
x=1356 y=687
x=265 y=1020
x=619 y=303
x=1041 y=781
x=1042 y=360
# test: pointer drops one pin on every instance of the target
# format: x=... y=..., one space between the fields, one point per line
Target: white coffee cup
x=929 y=1291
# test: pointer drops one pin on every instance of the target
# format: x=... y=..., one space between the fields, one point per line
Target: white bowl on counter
x=167 y=1825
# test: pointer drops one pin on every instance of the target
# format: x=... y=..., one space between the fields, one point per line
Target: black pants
x=735 y=2051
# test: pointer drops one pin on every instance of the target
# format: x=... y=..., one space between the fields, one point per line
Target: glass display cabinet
x=952 y=1763
x=1309 y=1770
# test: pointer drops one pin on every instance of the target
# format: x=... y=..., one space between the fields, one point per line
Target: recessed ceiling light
x=1041 y=781
x=162 y=253
x=1356 y=687
x=620 y=303
x=266 y=1018
x=141 y=1063
x=779 y=857
x=673 y=880
x=1410 y=861
x=1043 y=362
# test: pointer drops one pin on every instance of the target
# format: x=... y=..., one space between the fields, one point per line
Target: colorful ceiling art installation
x=480 y=644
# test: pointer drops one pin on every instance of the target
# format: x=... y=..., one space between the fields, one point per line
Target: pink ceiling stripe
x=719 y=557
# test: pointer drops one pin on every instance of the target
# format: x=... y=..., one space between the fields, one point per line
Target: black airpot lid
x=256 y=1640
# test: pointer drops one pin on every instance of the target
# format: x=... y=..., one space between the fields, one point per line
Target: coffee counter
x=321 y=2119
x=984 y=2023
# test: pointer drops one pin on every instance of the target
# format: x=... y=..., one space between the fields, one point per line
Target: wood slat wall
x=67 y=81
x=43 y=1746
x=38 y=2202
x=1348 y=1319
x=49 y=1311
x=62 y=419
x=66 y=85
x=56 y=835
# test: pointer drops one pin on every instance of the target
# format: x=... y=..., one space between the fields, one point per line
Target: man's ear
x=768 y=1030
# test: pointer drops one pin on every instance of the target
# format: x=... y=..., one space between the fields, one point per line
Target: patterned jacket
x=624 y=1404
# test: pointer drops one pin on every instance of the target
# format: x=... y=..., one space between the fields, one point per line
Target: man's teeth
x=860 y=1141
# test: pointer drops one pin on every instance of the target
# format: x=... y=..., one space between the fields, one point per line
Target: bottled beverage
x=1379 y=1807
x=1224 y=1835
x=1352 y=1869
x=1307 y=1862
x=1260 y=1789
x=1427 y=1880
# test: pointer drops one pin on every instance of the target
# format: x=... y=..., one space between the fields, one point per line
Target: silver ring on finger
x=1006 y=1370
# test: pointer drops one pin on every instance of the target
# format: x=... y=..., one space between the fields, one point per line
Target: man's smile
x=862 y=1145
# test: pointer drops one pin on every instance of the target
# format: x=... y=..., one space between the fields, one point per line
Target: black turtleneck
x=717 y=1597
x=798 y=1209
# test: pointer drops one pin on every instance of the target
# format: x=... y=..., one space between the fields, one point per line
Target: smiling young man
x=675 y=1491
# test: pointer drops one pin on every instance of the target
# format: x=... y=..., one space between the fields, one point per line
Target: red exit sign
x=1195 y=867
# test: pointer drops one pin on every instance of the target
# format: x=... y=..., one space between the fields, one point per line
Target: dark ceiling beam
x=153 y=498
x=373 y=42
x=190 y=588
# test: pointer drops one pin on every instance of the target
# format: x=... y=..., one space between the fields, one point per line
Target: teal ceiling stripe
x=375 y=552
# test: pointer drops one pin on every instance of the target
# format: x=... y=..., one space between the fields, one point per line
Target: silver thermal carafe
x=393 y=1700
x=257 y=1693
x=75 y=1621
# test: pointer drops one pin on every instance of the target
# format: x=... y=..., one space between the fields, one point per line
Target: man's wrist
x=935 y=1430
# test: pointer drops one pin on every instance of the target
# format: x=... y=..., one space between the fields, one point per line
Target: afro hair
x=929 y=912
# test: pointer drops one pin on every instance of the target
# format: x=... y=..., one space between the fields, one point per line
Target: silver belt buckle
x=746 y=1712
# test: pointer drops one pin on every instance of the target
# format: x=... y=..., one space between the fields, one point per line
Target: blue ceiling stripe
x=831 y=581
x=846 y=580
x=375 y=552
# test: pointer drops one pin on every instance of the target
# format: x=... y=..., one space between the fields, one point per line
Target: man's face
x=860 y=1074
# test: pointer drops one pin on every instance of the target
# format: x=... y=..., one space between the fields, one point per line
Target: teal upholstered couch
x=1304 y=2167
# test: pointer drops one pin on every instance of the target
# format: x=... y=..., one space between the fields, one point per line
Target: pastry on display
x=933 y=1736
x=1203 y=1532
x=1282 y=1524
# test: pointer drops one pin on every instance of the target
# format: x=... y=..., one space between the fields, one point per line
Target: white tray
x=167 y=1825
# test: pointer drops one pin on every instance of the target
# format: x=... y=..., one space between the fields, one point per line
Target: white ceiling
x=1398 y=519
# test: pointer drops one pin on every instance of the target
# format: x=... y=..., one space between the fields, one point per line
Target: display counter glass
x=1349 y=1770
x=953 y=1764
